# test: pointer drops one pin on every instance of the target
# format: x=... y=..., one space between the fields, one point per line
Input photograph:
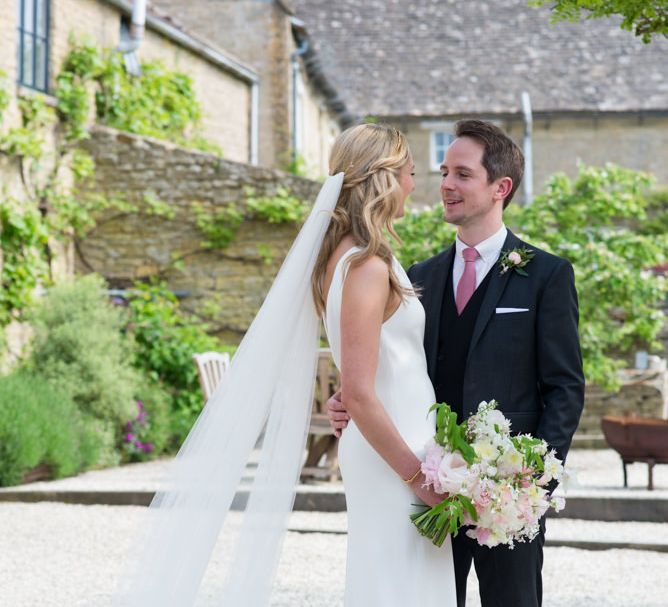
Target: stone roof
x=442 y=57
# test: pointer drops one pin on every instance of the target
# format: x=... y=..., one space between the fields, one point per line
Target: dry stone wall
x=225 y=287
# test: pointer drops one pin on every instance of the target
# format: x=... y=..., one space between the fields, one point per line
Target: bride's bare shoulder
x=341 y=249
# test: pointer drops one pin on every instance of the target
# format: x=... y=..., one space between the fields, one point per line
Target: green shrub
x=79 y=349
x=39 y=425
x=603 y=222
x=423 y=234
x=165 y=339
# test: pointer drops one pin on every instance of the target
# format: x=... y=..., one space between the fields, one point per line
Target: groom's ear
x=504 y=186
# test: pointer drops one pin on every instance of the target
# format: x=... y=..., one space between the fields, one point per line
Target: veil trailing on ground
x=270 y=381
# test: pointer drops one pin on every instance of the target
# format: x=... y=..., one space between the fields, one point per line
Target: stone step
x=586 y=505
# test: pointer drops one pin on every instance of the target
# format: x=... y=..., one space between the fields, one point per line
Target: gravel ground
x=602 y=469
x=58 y=555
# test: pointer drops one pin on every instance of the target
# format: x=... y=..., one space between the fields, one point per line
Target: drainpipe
x=254 y=124
x=136 y=28
x=528 y=150
x=294 y=57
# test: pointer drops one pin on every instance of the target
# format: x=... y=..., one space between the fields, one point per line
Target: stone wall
x=226 y=287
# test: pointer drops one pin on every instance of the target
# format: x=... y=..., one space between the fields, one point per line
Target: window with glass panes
x=440 y=141
x=33 y=43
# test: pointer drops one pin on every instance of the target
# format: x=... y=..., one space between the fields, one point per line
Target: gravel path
x=58 y=555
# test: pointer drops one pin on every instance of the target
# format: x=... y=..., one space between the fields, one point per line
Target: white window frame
x=436 y=128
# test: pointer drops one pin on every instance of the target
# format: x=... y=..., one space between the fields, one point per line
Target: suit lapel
x=432 y=300
x=495 y=288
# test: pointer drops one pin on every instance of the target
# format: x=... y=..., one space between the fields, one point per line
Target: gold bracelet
x=408 y=481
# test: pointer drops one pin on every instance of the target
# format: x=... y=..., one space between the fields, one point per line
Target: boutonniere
x=516 y=260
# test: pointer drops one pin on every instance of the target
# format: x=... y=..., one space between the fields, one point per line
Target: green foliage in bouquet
x=599 y=222
x=451 y=434
x=447 y=517
x=444 y=519
x=40 y=425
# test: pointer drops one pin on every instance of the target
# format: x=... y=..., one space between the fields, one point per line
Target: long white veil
x=270 y=380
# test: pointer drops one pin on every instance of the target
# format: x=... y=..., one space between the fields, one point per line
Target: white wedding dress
x=389 y=563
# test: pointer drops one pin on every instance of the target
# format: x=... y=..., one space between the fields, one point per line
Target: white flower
x=485 y=450
x=452 y=472
x=510 y=463
x=553 y=466
x=514 y=258
x=558 y=503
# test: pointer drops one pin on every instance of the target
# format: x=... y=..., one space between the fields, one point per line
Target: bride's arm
x=365 y=295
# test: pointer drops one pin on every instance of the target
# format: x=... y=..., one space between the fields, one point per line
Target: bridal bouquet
x=494 y=482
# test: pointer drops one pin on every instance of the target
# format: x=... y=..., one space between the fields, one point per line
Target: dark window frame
x=31 y=80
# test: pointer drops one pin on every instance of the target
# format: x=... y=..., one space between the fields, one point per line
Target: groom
x=498 y=335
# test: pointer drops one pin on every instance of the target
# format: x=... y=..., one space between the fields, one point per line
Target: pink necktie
x=466 y=285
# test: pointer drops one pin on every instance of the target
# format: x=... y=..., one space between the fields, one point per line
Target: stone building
x=598 y=94
x=34 y=41
x=300 y=112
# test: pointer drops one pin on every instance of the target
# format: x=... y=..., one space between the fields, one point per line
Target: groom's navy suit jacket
x=530 y=362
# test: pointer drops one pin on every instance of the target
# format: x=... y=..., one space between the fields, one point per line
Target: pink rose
x=452 y=472
x=514 y=258
x=432 y=461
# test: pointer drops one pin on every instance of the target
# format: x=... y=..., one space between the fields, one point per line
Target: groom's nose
x=446 y=183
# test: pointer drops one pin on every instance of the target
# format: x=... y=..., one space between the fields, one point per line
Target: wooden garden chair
x=210 y=368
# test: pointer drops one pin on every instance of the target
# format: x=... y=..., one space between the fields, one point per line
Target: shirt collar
x=488 y=249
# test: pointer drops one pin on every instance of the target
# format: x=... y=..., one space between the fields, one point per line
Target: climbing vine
x=55 y=169
x=219 y=226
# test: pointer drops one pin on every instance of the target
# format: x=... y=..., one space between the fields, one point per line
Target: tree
x=599 y=222
x=644 y=17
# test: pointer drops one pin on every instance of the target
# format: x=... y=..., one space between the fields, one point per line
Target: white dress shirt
x=489 y=251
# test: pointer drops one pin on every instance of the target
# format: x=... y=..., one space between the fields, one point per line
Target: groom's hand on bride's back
x=338 y=416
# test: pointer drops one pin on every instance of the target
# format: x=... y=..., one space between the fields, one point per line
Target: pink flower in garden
x=129 y=437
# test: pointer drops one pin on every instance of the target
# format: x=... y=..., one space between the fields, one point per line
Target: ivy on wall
x=54 y=169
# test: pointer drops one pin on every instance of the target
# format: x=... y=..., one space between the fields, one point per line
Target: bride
x=339 y=268
x=375 y=327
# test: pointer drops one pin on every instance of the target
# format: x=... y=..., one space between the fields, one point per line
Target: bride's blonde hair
x=371 y=157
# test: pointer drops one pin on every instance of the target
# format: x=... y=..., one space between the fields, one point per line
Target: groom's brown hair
x=501 y=156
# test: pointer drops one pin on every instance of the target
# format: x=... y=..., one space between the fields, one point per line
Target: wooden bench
x=638 y=439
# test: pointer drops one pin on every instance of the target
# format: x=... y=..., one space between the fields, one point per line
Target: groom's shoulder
x=543 y=260
x=421 y=268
